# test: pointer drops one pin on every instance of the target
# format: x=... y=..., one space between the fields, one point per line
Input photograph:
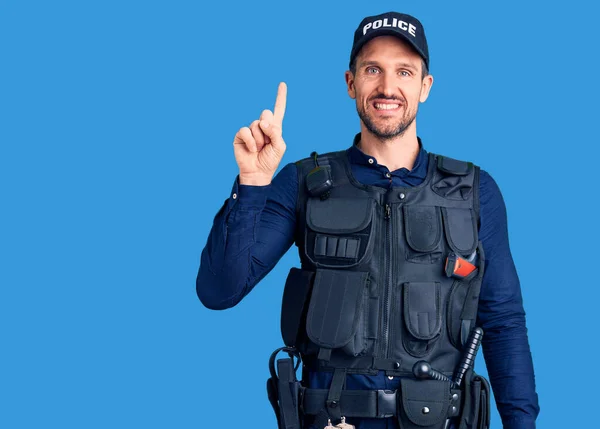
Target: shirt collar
x=419 y=169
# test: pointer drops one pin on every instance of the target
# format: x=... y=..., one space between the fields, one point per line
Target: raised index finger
x=279 y=110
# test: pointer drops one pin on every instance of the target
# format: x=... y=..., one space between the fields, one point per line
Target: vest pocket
x=337 y=314
x=293 y=305
x=423 y=231
x=338 y=231
x=456 y=301
x=463 y=299
x=422 y=319
x=454 y=179
x=460 y=225
x=475 y=412
x=424 y=403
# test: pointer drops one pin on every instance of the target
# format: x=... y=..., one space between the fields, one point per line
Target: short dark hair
x=424 y=70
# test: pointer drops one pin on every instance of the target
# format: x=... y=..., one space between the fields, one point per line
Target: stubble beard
x=386 y=132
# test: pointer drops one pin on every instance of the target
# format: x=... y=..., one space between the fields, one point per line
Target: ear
x=425 y=88
x=350 y=83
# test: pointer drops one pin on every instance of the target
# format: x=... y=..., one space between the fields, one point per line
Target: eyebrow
x=375 y=63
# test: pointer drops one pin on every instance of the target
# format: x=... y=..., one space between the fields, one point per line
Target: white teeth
x=386 y=106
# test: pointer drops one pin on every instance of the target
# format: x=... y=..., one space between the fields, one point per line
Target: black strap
x=324 y=354
x=485 y=403
x=288 y=394
x=279 y=387
x=273 y=394
x=469 y=311
x=291 y=351
x=353 y=403
x=357 y=365
x=335 y=392
x=465 y=329
x=454 y=166
x=320 y=160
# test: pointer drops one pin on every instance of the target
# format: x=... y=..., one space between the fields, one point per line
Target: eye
x=372 y=70
x=405 y=73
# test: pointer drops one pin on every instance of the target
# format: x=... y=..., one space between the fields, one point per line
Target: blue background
x=116 y=127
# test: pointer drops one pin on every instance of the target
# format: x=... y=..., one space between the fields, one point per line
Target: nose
x=387 y=85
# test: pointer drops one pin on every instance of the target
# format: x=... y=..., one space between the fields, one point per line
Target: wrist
x=254 y=179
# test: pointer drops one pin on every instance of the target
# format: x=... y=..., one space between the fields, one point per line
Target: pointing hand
x=259 y=148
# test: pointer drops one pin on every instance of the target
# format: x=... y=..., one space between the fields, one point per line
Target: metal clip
x=329 y=426
x=344 y=425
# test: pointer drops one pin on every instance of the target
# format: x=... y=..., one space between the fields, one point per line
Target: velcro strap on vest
x=353 y=403
x=454 y=166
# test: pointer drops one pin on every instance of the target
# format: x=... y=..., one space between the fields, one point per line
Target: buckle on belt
x=386 y=403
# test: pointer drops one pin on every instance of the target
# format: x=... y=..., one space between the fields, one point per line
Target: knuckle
x=255 y=127
x=242 y=132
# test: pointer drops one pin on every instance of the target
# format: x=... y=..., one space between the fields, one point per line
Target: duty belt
x=353 y=403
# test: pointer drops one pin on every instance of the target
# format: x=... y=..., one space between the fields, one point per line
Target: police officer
x=403 y=254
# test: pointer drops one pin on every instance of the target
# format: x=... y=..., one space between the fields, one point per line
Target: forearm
x=249 y=235
x=510 y=368
x=224 y=273
x=506 y=346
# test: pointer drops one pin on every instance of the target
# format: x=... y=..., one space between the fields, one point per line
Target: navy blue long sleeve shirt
x=256 y=224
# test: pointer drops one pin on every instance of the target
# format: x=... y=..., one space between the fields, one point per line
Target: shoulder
x=305 y=165
x=310 y=159
x=489 y=191
x=288 y=168
x=452 y=165
x=494 y=223
x=287 y=175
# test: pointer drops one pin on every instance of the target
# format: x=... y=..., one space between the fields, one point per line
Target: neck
x=397 y=152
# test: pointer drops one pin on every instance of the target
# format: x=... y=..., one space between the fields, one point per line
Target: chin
x=385 y=129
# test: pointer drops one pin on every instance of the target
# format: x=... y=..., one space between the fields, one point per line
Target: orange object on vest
x=461 y=269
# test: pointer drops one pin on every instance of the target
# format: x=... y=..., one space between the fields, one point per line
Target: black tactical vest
x=375 y=291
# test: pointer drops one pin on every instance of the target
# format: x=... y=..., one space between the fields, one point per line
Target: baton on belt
x=423 y=370
x=468 y=359
x=471 y=347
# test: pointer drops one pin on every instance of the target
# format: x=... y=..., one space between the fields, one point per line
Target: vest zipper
x=387 y=286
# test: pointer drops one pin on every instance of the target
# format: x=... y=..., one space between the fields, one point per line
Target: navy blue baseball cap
x=401 y=25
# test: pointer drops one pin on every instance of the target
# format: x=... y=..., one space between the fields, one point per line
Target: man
x=403 y=254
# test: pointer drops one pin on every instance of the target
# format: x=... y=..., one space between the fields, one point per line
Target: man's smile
x=386 y=106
